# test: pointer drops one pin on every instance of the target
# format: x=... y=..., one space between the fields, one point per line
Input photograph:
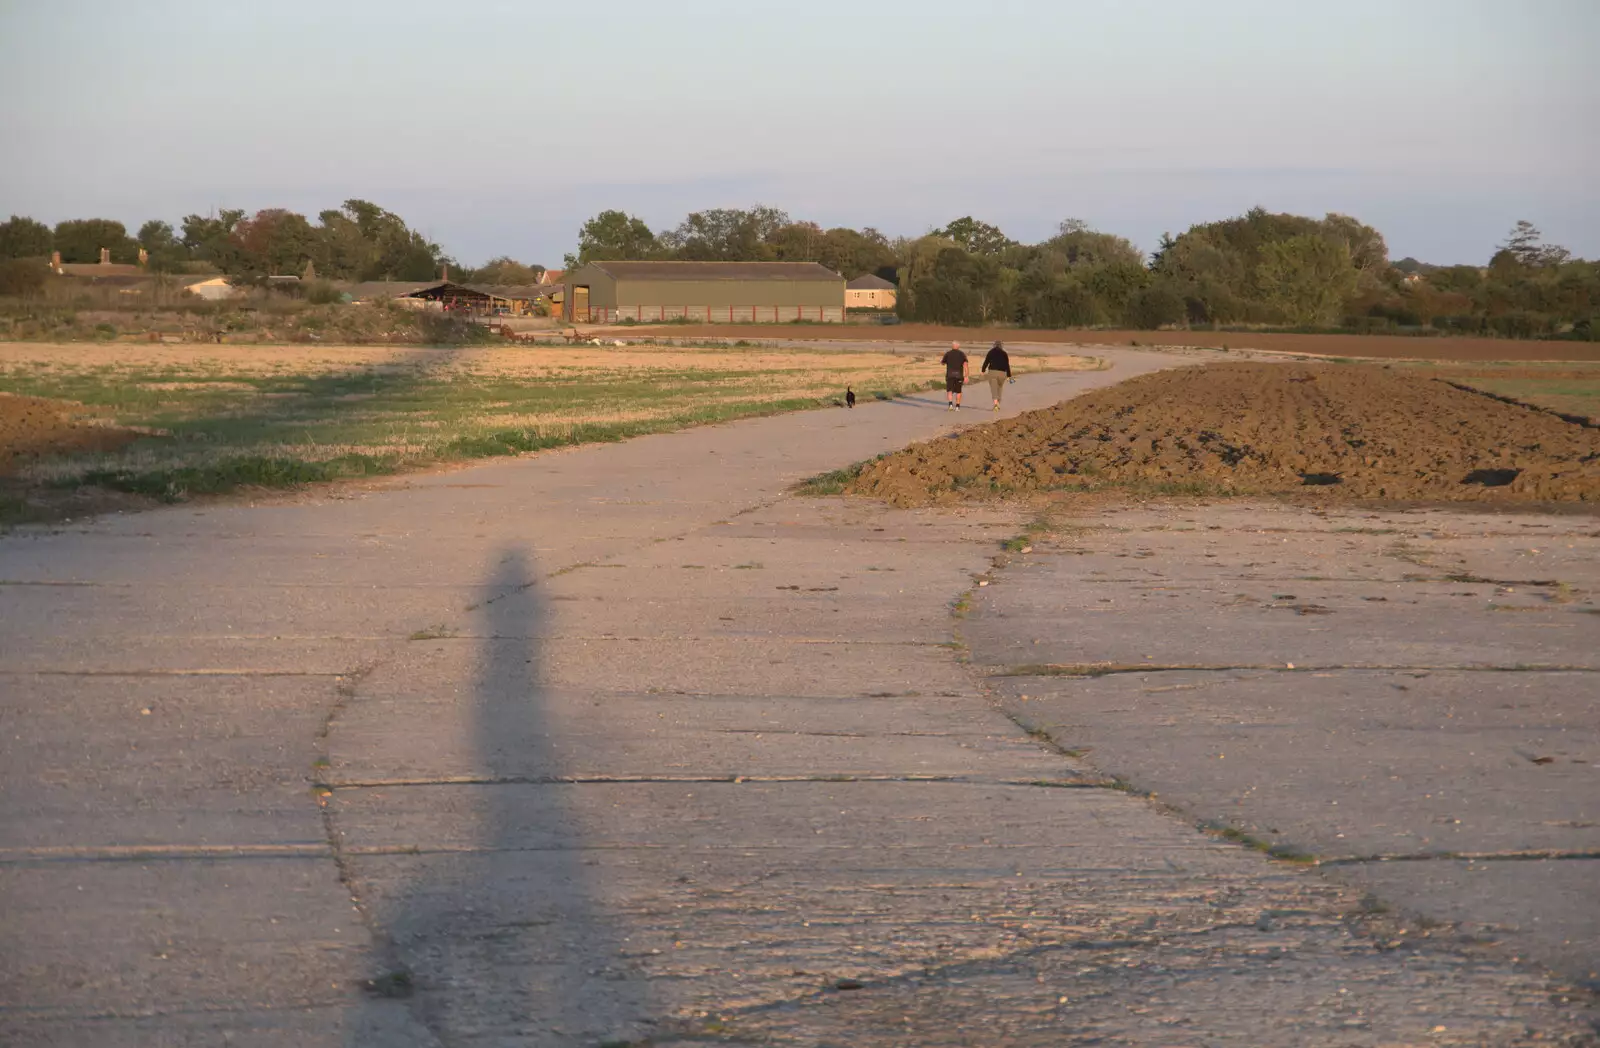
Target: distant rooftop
x=806 y=271
x=100 y=269
x=870 y=282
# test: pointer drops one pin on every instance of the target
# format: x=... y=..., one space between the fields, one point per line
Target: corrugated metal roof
x=870 y=282
x=788 y=271
x=518 y=291
x=372 y=289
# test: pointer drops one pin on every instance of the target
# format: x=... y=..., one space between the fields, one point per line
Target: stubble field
x=167 y=421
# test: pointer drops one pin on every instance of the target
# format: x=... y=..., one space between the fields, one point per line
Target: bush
x=322 y=293
x=944 y=302
x=1586 y=330
x=22 y=276
x=1155 y=307
x=442 y=329
x=1366 y=325
x=1520 y=324
x=1063 y=306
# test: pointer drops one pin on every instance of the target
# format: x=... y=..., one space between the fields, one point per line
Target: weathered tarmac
x=1408 y=697
x=626 y=745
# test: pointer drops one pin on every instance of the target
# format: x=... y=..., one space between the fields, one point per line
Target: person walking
x=956 y=368
x=997 y=366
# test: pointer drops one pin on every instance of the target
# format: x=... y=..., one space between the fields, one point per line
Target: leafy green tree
x=978 y=238
x=156 y=235
x=208 y=238
x=844 y=251
x=797 y=242
x=383 y=246
x=614 y=235
x=1368 y=252
x=160 y=242
x=1065 y=303
x=272 y=242
x=412 y=257
x=505 y=270
x=1158 y=256
x=81 y=239
x=1079 y=245
x=1155 y=307
x=24 y=238
x=345 y=254
x=1526 y=246
x=1462 y=279
x=1307 y=277
x=852 y=253
x=1113 y=284
x=726 y=235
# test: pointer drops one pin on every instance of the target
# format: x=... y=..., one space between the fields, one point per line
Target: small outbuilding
x=475 y=299
x=869 y=291
x=725 y=292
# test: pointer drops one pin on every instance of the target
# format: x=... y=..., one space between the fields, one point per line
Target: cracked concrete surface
x=1427 y=733
x=624 y=744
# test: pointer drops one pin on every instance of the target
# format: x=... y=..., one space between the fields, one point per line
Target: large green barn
x=725 y=292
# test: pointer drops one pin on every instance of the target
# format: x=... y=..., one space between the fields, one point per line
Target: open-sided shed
x=607 y=292
x=478 y=299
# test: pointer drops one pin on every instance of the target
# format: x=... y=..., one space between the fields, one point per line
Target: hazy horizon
x=498 y=131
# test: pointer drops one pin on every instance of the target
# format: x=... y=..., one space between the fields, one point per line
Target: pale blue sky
x=497 y=127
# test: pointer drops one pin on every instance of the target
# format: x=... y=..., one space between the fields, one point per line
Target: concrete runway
x=624 y=744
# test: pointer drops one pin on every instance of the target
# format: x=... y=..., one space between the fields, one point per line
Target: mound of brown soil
x=1338 y=431
x=32 y=427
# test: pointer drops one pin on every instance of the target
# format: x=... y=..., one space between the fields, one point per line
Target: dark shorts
x=952 y=383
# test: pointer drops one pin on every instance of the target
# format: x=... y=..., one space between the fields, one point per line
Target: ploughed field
x=1338 y=431
x=1387 y=347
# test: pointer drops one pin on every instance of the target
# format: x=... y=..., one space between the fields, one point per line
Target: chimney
x=444 y=272
x=144 y=257
x=55 y=261
x=105 y=256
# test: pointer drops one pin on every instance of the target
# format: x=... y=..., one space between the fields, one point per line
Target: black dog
x=849 y=397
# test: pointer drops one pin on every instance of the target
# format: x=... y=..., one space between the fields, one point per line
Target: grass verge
x=207 y=421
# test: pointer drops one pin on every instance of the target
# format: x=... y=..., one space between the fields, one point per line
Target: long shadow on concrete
x=498 y=921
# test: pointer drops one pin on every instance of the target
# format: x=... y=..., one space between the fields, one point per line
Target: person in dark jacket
x=997 y=366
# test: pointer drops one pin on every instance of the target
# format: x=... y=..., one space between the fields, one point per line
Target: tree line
x=356 y=241
x=1259 y=269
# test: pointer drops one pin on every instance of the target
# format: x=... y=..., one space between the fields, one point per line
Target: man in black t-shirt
x=955 y=376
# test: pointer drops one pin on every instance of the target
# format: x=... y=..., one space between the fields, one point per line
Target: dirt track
x=1339 y=432
x=1387 y=347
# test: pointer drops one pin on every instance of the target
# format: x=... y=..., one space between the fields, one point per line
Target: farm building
x=517 y=299
x=607 y=292
x=97 y=270
x=869 y=291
